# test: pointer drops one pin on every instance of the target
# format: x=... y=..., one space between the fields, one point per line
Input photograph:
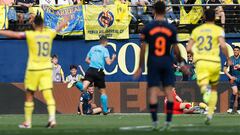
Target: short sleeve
x=89 y=55
x=106 y=53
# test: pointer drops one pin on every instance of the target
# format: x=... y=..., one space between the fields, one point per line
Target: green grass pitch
x=126 y=124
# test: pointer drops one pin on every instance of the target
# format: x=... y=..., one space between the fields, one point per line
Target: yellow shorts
x=207 y=72
x=38 y=79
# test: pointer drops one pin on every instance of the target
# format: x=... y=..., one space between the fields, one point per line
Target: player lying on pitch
x=39 y=70
x=181 y=107
x=86 y=105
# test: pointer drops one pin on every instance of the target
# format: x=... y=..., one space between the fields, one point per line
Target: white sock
x=52 y=118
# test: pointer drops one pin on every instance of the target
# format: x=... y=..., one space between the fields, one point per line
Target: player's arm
x=81 y=108
x=223 y=46
x=141 y=60
x=62 y=75
x=179 y=99
x=227 y=73
x=110 y=61
x=190 y=45
x=12 y=34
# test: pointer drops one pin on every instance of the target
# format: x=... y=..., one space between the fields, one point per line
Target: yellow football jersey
x=206 y=45
x=39 y=49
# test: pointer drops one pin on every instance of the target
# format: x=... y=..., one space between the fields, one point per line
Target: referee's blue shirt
x=97 y=56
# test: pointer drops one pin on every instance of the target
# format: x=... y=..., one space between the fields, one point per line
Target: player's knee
x=48 y=96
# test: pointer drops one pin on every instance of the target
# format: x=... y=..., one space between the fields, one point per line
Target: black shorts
x=96 y=76
x=158 y=74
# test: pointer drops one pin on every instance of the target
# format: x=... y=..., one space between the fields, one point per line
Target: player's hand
x=137 y=74
x=114 y=56
x=232 y=79
x=229 y=62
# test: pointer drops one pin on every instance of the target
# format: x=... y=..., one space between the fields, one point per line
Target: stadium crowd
x=21 y=16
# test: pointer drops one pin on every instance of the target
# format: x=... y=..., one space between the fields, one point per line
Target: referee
x=96 y=58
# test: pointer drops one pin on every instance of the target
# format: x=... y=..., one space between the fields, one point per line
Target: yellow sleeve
x=53 y=34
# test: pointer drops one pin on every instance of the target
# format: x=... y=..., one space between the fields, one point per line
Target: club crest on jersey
x=106 y=19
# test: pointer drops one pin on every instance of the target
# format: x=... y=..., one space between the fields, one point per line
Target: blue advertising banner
x=54 y=15
x=13 y=58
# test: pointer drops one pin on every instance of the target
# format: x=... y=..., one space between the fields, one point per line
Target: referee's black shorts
x=96 y=76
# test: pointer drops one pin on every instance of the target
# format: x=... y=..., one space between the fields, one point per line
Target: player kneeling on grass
x=86 y=105
x=39 y=68
x=181 y=107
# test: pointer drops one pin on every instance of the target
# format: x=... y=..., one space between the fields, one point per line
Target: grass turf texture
x=128 y=124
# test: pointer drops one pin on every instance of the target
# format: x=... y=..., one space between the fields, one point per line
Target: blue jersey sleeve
x=89 y=55
x=106 y=53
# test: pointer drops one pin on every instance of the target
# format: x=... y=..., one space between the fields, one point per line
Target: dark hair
x=103 y=38
x=38 y=21
x=159 y=7
x=54 y=56
x=210 y=15
x=91 y=85
x=73 y=67
x=236 y=47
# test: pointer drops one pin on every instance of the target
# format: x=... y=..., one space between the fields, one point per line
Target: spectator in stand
x=219 y=10
x=58 y=74
x=74 y=76
x=170 y=16
x=64 y=2
x=46 y=2
x=191 y=66
x=75 y=2
x=7 y=2
x=22 y=11
x=138 y=10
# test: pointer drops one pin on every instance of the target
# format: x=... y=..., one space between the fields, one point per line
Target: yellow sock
x=48 y=96
x=28 y=109
x=212 y=102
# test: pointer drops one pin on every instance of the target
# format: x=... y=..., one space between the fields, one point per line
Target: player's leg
x=168 y=81
x=28 y=110
x=233 y=98
x=104 y=100
x=214 y=70
x=203 y=79
x=88 y=79
x=184 y=106
x=31 y=83
x=153 y=79
x=96 y=110
x=46 y=87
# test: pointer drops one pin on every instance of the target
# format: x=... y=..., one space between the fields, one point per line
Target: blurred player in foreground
x=86 y=105
x=181 y=107
x=39 y=68
x=160 y=37
x=234 y=77
x=96 y=58
x=205 y=41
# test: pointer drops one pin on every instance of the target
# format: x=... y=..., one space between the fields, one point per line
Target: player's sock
x=238 y=108
x=212 y=102
x=104 y=101
x=232 y=100
x=187 y=106
x=153 y=111
x=169 y=111
x=48 y=96
x=79 y=85
x=28 y=108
